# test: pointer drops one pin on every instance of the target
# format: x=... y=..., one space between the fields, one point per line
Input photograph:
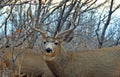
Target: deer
x=103 y=62
x=25 y=63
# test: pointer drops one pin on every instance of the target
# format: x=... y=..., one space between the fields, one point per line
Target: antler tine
x=66 y=31
x=43 y=33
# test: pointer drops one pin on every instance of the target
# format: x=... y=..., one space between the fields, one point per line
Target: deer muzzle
x=48 y=50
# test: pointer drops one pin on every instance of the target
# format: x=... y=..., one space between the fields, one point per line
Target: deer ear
x=68 y=37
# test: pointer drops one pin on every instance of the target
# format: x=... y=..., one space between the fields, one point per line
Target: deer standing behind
x=27 y=64
x=95 y=63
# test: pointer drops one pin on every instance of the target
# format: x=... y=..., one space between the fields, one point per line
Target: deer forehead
x=49 y=45
x=51 y=40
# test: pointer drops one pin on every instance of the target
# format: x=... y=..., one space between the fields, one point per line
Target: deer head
x=53 y=44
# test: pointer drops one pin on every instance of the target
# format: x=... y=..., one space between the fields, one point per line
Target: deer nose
x=48 y=50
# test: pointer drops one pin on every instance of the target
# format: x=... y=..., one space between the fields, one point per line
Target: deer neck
x=59 y=63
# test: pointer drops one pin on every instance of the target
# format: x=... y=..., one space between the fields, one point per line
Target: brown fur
x=30 y=62
x=95 y=63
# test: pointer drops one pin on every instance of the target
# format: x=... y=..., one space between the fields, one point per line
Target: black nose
x=48 y=50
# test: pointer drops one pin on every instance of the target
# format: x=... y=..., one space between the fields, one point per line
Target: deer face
x=51 y=47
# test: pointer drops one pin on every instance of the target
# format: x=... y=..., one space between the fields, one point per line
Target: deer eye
x=56 y=43
x=44 y=42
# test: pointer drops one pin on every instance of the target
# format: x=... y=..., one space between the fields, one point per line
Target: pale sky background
x=116 y=14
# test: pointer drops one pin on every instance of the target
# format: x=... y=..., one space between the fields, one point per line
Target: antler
x=43 y=33
x=66 y=31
